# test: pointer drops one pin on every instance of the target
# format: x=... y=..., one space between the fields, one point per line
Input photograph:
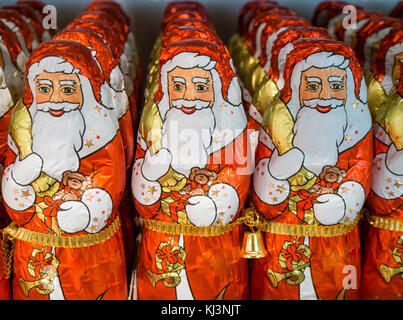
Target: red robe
x=214 y=266
x=330 y=255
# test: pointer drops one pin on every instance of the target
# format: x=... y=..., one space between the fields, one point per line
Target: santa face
x=58 y=123
x=190 y=89
x=323 y=84
x=59 y=92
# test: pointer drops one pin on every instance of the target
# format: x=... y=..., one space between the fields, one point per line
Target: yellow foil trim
x=20 y=129
x=308 y=230
x=393 y=121
x=376 y=95
x=188 y=229
x=385 y=223
x=278 y=123
x=15 y=232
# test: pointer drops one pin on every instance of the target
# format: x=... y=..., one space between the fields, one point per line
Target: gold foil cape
x=376 y=95
x=151 y=122
x=252 y=74
x=20 y=131
x=277 y=119
x=393 y=120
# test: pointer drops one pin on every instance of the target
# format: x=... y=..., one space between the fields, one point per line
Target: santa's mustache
x=332 y=103
x=65 y=106
x=197 y=103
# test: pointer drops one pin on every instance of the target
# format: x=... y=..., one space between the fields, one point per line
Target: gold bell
x=253 y=246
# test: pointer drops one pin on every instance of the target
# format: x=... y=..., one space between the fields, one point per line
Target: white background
x=146 y=14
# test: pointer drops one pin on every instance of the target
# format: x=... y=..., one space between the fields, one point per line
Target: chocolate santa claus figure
x=383 y=268
x=312 y=175
x=12 y=66
x=190 y=177
x=64 y=178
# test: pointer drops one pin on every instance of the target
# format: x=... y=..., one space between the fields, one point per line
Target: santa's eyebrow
x=335 y=78
x=313 y=79
x=178 y=79
x=200 y=80
x=67 y=82
x=45 y=81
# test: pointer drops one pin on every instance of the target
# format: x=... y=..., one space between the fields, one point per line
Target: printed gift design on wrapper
x=60 y=185
x=312 y=171
x=190 y=176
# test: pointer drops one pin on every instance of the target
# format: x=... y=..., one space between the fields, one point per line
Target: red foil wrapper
x=291 y=185
x=69 y=185
x=187 y=265
x=382 y=271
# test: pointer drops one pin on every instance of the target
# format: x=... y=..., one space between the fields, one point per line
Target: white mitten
x=266 y=187
x=100 y=206
x=28 y=169
x=157 y=165
x=201 y=210
x=329 y=209
x=73 y=217
x=144 y=191
x=394 y=160
x=285 y=166
x=16 y=196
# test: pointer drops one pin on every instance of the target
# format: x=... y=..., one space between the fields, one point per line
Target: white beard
x=57 y=141
x=319 y=135
x=187 y=137
x=6 y=101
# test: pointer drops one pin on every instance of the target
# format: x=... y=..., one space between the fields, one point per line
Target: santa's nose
x=55 y=97
x=325 y=93
x=189 y=94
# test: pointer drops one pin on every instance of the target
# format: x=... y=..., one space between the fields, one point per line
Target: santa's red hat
x=372 y=27
x=304 y=48
x=23 y=27
x=273 y=26
x=287 y=37
x=104 y=30
x=10 y=41
x=188 y=34
x=100 y=51
x=177 y=6
x=34 y=17
x=360 y=16
x=187 y=24
x=259 y=20
x=382 y=68
x=119 y=17
x=250 y=10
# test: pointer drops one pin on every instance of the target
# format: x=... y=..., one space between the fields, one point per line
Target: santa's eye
x=178 y=86
x=68 y=90
x=44 y=89
x=312 y=87
x=201 y=87
x=336 y=86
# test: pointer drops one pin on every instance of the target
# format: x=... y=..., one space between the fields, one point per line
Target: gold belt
x=385 y=223
x=15 y=232
x=308 y=230
x=189 y=229
x=249 y=219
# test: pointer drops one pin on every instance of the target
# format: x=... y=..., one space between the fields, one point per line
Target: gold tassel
x=7 y=249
